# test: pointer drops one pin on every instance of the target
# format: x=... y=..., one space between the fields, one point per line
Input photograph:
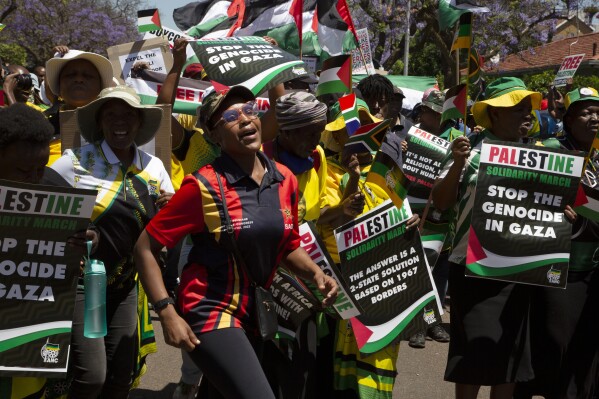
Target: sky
x=166 y=7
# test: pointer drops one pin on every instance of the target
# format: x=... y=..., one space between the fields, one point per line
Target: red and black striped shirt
x=213 y=292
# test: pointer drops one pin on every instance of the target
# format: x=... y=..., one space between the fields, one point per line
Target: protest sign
x=567 y=70
x=188 y=95
x=344 y=307
x=294 y=301
x=519 y=231
x=154 y=52
x=432 y=242
x=368 y=138
x=248 y=61
x=39 y=275
x=171 y=35
x=422 y=164
x=587 y=199
x=358 y=67
x=387 y=273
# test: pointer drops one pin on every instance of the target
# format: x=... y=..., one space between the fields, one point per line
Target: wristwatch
x=163 y=303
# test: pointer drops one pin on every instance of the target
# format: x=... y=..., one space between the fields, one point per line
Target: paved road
x=420 y=372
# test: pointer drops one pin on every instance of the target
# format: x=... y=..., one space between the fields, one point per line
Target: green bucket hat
x=503 y=92
x=580 y=94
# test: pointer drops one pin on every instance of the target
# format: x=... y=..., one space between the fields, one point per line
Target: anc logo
x=50 y=352
x=389 y=179
x=553 y=275
x=429 y=316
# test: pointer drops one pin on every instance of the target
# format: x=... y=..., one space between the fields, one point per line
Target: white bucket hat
x=87 y=115
x=55 y=65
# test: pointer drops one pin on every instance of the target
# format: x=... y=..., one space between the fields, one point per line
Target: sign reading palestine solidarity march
x=295 y=300
x=388 y=276
x=39 y=273
x=422 y=164
x=519 y=231
x=248 y=61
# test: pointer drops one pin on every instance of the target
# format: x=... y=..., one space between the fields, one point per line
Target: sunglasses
x=231 y=115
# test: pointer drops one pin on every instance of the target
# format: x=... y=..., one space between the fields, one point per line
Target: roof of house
x=549 y=55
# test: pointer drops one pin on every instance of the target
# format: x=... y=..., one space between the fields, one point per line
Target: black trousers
x=231 y=366
x=103 y=367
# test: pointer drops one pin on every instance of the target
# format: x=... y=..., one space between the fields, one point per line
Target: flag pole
x=468 y=74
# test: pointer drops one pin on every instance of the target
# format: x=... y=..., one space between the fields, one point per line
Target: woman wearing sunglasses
x=215 y=296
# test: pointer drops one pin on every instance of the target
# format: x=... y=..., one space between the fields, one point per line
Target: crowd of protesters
x=230 y=163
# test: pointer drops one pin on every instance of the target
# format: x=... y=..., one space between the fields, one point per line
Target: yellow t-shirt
x=311 y=187
x=200 y=151
x=336 y=180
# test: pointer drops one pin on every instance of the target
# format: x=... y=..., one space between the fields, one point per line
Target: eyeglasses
x=231 y=115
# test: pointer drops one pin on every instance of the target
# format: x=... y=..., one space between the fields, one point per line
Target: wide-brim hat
x=88 y=121
x=55 y=65
x=503 y=92
x=579 y=95
x=212 y=101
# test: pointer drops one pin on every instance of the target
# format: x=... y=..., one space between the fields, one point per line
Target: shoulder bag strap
x=231 y=231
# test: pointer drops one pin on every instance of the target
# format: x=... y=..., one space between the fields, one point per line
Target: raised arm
x=445 y=190
x=168 y=92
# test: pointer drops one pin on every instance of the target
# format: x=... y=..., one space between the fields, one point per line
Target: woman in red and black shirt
x=215 y=297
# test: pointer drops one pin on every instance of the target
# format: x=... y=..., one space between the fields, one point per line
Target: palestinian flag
x=463 y=37
x=368 y=138
x=335 y=76
x=147 y=84
x=326 y=25
x=450 y=11
x=210 y=19
x=279 y=19
x=349 y=109
x=455 y=103
x=386 y=174
x=336 y=31
x=148 y=20
x=191 y=14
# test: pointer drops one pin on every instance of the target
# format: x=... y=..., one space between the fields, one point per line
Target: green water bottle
x=94 y=281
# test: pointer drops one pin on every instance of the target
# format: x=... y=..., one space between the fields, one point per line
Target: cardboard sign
x=519 y=231
x=160 y=146
x=567 y=70
x=358 y=67
x=155 y=52
x=386 y=269
x=39 y=273
x=171 y=35
x=247 y=61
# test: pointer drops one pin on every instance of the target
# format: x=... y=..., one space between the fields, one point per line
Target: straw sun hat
x=87 y=116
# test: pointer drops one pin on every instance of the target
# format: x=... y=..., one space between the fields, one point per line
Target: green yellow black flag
x=386 y=174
